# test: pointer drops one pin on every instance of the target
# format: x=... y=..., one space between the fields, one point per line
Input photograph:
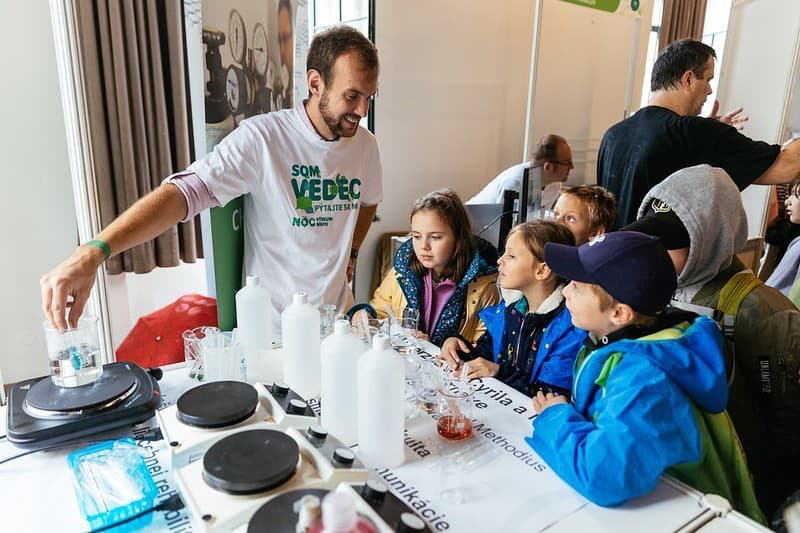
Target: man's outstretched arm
x=785 y=168
x=143 y=221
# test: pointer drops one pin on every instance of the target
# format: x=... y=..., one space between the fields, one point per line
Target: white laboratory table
x=503 y=484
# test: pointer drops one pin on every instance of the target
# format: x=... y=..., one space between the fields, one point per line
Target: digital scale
x=41 y=414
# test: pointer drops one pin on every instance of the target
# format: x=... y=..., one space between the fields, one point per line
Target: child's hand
x=542 y=401
x=482 y=368
x=450 y=349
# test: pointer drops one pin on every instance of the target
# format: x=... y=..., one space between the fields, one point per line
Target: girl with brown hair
x=444 y=271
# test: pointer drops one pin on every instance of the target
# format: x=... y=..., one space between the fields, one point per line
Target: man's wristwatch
x=353 y=253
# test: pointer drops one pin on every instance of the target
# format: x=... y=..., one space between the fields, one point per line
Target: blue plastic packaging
x=112 y=484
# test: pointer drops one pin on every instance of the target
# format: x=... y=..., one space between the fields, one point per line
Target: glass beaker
x=456 y=467
x=431 y=381
x=455 y=409
x=404 y=338
x=192 y=352
x=412 y=365
x=223 y=357
x=452 y=480
x=327 y=317
x=74 y=353
x=367 y=329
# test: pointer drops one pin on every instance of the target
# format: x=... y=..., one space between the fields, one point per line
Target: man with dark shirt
x=667 y=135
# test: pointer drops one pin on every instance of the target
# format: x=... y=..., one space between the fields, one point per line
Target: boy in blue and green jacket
x=649 y=389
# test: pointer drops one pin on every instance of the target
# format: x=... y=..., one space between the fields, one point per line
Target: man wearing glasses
x=554 y=156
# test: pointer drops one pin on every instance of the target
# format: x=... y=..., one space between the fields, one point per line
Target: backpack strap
x=730 y=298
x=735 y=290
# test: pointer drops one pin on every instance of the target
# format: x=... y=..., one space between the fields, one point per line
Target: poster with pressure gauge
x=254 y=60
x=250 y=52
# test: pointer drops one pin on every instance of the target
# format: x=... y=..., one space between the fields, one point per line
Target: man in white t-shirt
x=312 y=180
x=554 y=156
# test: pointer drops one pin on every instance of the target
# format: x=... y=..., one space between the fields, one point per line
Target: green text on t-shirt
x=309 y=187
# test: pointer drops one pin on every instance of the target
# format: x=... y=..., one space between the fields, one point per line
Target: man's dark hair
x=327 y=46
x=678 y=57
x=547 y=147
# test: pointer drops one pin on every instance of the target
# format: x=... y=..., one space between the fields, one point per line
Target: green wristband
x=103 y=246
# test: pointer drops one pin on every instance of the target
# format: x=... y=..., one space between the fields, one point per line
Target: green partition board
x=227 y=232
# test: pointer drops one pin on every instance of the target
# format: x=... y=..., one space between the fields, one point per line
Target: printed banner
x=456 y=486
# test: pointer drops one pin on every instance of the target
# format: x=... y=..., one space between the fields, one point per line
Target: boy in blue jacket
x=649 y=392
x=530 y=343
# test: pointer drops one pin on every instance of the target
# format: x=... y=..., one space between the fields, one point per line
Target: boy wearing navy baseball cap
x=649 y=390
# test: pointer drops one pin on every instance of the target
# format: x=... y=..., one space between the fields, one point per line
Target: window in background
x=652 y=49
x=326 y=13
x=359 y=14
x=715 y=29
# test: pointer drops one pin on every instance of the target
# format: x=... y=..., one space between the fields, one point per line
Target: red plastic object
x=156 y=340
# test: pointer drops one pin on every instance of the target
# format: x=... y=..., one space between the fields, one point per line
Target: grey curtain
x=134 y=71
x=681 y=19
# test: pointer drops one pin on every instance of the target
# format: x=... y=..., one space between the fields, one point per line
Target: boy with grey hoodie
x=697 y=212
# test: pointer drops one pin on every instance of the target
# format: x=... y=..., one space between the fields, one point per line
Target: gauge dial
x=232 y=89
x=260 y=52
x=237 y=39
x=240 y=90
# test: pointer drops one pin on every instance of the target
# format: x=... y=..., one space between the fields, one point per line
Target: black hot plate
x=250 y=461
x=41 y=414
x=279 y=515
x=217 y=404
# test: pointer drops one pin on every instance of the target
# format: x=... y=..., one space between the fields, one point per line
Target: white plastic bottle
x=340 y=353
x=381 y=405
x=253 y=322
x=301 y=362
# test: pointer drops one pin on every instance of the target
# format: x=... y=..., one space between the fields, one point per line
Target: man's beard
x=334 y=124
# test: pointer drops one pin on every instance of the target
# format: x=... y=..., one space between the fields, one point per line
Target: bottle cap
x=410 y=523
x=342 y=327
x=380 y=341
x=252 y=280
x=300 y=298
x=338 y=512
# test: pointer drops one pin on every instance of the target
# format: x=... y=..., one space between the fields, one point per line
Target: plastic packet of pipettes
x=113 y=484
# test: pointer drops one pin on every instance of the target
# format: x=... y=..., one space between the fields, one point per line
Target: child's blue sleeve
x=619 y=447
x=558 y=359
